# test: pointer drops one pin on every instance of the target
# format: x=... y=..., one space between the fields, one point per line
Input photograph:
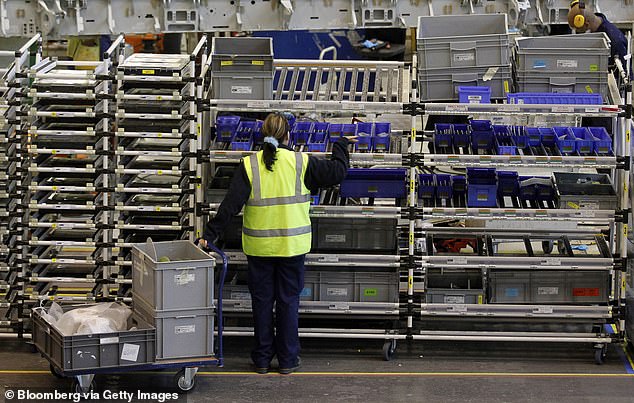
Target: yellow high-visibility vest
x=276 y=218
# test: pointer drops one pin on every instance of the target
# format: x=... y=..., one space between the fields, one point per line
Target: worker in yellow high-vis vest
x=274 y=186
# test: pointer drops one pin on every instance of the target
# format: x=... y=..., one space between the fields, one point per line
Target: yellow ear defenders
x=579 y=20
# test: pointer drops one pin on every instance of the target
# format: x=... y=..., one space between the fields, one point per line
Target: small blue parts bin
x=474 y=95
x=374 y=183
x=226 y=127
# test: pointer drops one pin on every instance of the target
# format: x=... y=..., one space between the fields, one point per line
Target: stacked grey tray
x=242 y=68
x=155 y=133
x=463 y=50
x=566 y=63
x=65 y=158
x=173 y=289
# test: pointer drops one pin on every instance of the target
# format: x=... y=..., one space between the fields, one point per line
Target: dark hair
x=275 y=125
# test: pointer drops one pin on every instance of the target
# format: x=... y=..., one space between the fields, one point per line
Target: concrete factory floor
x=353 y=370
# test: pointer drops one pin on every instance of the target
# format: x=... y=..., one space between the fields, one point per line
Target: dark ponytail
x=275 y=126
x=268 y=155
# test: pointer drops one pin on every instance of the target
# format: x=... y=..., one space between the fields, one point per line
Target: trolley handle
x=225 y=262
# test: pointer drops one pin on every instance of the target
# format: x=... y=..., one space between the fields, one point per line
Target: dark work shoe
x=260 y=370
x=287 y=371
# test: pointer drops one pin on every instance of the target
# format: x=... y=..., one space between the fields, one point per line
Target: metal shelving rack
x=538 y=224
x=63 y=182
x=155 y=153
x=384 y=89
x=13 y=80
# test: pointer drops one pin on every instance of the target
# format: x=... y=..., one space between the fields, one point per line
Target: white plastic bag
x=99 y=318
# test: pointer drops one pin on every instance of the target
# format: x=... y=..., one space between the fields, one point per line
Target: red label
x=585 y=292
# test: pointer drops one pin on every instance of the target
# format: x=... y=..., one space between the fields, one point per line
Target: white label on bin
x=241 y=89
x=552 y=261
x=339 y=238
x=457 y=260
x=109 y=340
x=488 y=76
x=184 y=278
x=588 y=205
x=463 y=57
x=563 y=109
x=130 y=352
x=240 y=295
x=547 y=290
x=337 y=291
x=454 y=299
x=474 y=99
x=185 y=329
x=567 y=64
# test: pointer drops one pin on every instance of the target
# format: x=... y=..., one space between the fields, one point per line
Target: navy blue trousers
x=275 y=281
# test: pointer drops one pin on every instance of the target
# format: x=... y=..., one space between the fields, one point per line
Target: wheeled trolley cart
x=83 y=356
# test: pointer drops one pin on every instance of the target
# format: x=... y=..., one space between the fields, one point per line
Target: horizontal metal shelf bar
x=458 y=336
x=517 y=311
x=305 y=106
x=519 y=161
x=355 y=158
x=324 y=333
x=515 y=109
x=521 y=214
x=343 y=260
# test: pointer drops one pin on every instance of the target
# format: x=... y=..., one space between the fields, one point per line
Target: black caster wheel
x=56 y=373
x=547 y=247
x=182 y=383
x=75 y=387
x=389 y=348
x=600 y=353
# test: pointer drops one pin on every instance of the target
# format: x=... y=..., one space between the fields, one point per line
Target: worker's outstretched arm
x=328 y=172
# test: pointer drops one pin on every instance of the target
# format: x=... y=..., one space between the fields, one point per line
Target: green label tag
x=370 y=292
x=594 y=67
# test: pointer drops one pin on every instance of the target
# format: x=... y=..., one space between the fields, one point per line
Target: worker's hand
x=352 y=139
x=202 y=243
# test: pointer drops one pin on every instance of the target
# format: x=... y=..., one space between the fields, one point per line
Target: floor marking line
x=394 y=374
x=629 y=370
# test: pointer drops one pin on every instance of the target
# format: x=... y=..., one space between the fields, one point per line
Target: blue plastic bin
x=482 y=136
x=508 y=184
x=243 y=138
x=364 y=134
x=381 y=142
x=444 y=189
x=300 y=133
x=374 y=182
x=484 y=125
x=584 y=140
x=548 y=98
x=258 y=136
x=318 y=141
x=382 y=138
x=226 y=127
x=461 y=135
x=459 y=185
x=474 y=95
x=426 y=188
x=242 y=144
x=602 y=142
x=481 y=187
x=336 y=130
x=443 y=133
x=548 y=136
x=566 y=140
x=534 y=136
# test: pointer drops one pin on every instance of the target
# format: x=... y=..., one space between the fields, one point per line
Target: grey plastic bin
x=187 y=333
x=352 y=234
x=585 y=191
x=350 y=286
x=454 y=286
x=454 y=296
x=563 y=54
x=443 y=85
x=241 y=55
x=451 y=41
x=546 y=286
x=590 y=83
x=185 y=282
x=242 y=86
x=94 y=351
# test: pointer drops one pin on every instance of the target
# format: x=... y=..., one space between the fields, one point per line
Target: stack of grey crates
x=564 y=64
x=173 y=289
x=242 y=68
x=463 y=50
